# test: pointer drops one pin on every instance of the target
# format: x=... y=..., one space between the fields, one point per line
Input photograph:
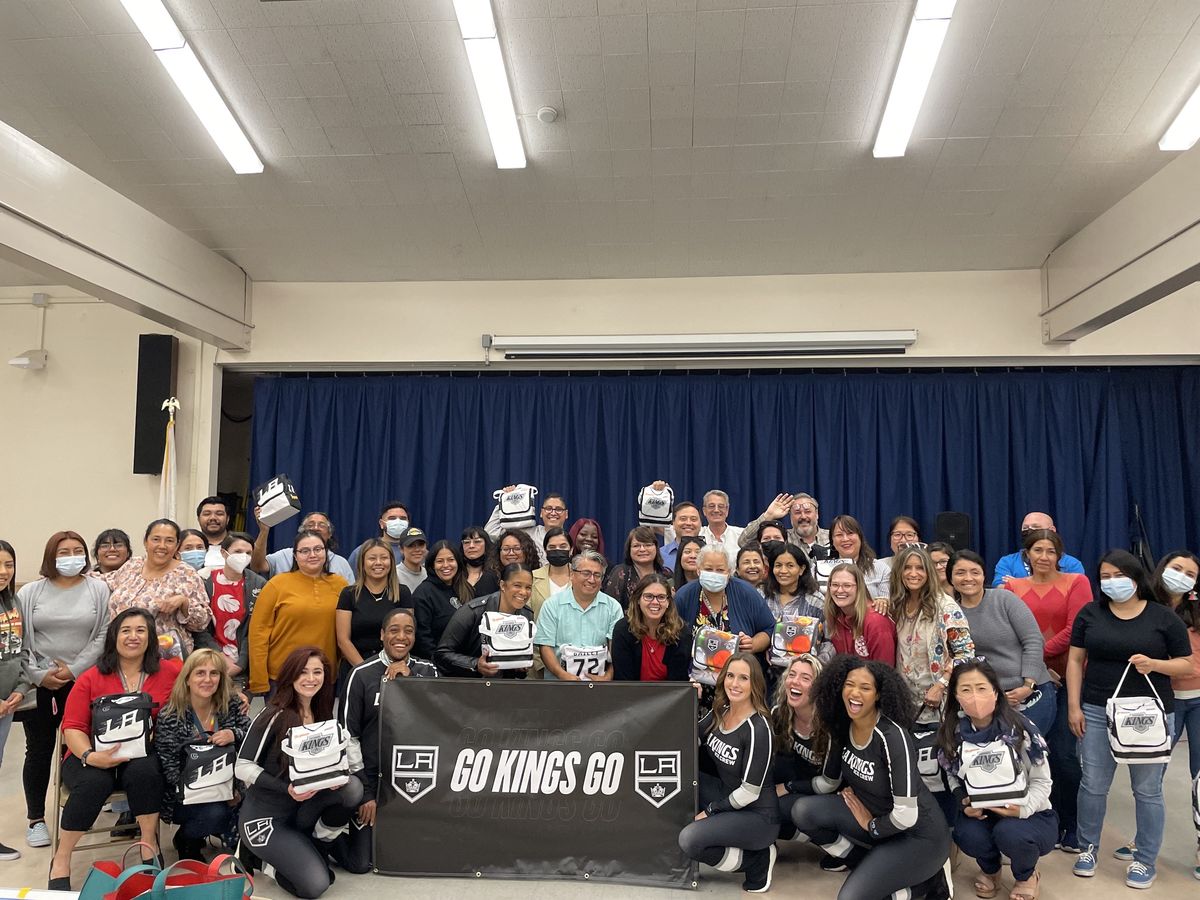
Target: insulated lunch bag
x=711 y=649
x=516 y=506
x=207 y=773
x=121 y=724
x=1137 y=726
x=992 y=774
x=654 y=507
x=318 y=755
x=792 y=637
x=508 y=639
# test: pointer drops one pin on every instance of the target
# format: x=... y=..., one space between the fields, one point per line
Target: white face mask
x=237 y=562
x=1118 y=589
x=396 y=527
x=713 y=581
x=69 y=566
x=1177 y=582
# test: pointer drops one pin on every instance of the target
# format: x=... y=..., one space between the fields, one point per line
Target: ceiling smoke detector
x=547 y=114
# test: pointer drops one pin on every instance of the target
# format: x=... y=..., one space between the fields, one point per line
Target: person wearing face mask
x=553 y=514
x=111 y=550
x=1174 y=584
x=476 y=547
x=232 y=591
x=805 y=532
x=358 y=713
x=553 y=577
x=651 y=643
x=438 y=597
x=1132 y=641
x=363 y=606
x=460 y=653
x=642 y=558
x=393 y=523
x=997 y=770
x=193 y=548
x=64 y=616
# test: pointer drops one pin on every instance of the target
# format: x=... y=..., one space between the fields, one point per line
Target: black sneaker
x=7 y=853
x=126 y=826
x=833 y=864
x=758 y=868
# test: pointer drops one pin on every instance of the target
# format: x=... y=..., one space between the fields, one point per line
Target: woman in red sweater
x=130 y=666
x=851 y=622
x=1055 y=598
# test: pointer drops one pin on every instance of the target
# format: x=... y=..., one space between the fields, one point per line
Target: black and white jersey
x=358 y=713
x=883 y=775
x=797 y=763
x=742 y=760
x=260 y=762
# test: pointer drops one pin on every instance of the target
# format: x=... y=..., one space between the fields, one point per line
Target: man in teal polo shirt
x=574 y=627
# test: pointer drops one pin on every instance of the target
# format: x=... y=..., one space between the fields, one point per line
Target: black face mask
x=771 y=548
x=558 y=558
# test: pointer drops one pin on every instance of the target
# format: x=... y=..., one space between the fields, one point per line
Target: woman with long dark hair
x=441 y=594
x=849 y=542
x=794 y=725
x=999 y=774
x=291 y=828
x=738 y=821
x=687 y=561
x=111 y=550
x=642 y=558
x=872 y=812
x=363 y=606
x=13 y=682
x=476 y=547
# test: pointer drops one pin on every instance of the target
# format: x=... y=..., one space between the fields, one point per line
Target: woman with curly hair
x=872 y=812
x=738 y=822
x=794 y=727
x=999 y=774
x=514 y=546
x=651 y=643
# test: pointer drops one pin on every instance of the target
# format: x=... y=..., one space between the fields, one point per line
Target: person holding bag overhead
x=1131 y=645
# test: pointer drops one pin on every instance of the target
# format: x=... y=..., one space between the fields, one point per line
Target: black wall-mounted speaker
x=158 y=358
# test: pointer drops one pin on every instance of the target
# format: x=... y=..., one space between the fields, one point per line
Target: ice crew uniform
x=278 y=830
x=736 y=793
x=796 y=764
x=359 y=715
x=906 y=843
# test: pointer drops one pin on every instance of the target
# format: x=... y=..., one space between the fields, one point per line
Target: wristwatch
x=1030 y=683
x=86 y=754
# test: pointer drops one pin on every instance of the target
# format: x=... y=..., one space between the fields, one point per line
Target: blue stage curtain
x=1083 y=445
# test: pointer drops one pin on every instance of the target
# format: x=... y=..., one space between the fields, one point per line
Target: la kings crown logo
x=656 y=775
x=414 y=770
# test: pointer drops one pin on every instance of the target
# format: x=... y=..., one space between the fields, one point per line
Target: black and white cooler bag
x=123 y=724
x=517 y=506
x=924 y=735
x=508 y=639
x=318 y=755
x=206 y=772
x=654 y=507
x=992 y=774
x=585 y=662
x=1137 y=726
x=823 y=568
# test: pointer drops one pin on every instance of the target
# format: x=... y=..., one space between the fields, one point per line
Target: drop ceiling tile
x=566 y=8
x=626 y=71
x=671 y=133
x=320 y=80
x=672 y=69
x=671 y=102
x=768 y=28
x=764 y=64
x=629 y=134
x=672 y=32
x=811 y=62
x=259 y=46
x=668 y=6
x=277 y=82
x=232 y=13
x=800 y=129
x=623 y=34
x=718 y=67
x=349 y=140
x=588 y=135
x=631 y=163
x=576 y=36
x=334 y=112
x=720 y=29
x=526 y=37
x=716 y=131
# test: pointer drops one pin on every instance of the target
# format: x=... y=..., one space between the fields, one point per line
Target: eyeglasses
x=716 y=506
x=589 y=576
x=659 y=597
x=111 y=545
x=554 y=509
x=906 y=535
x=310 y=551
x=942 y=564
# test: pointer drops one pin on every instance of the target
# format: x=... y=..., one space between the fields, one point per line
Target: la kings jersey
x=883 y=775
x=742 y=760
x=797 y=761
x=359 y=714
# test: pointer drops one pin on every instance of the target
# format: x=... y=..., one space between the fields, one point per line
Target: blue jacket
x=1014 y=565
x=748 y=612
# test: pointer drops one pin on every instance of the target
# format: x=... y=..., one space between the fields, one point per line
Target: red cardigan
x=91 y=684
x=878 y=638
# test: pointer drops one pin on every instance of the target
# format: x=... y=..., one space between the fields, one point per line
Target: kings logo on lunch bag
x=1137 y=726
x=414 y=770
x=318 y=755
x=122 y=724
x=207 y=773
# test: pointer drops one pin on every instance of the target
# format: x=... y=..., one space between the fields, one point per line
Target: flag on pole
x=166 y=486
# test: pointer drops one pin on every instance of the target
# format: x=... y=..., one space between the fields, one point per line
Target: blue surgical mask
x=69 y=566
x=396 y=527
x=1176 y=582
x=1118 y=589
x=713 y=582
x=194 y=558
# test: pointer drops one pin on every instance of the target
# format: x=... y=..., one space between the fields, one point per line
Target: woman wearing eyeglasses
x=903 y=531
x=642 y=558
x=111 y=550
x=651 y=643
x=849 y=542
x=295 y=609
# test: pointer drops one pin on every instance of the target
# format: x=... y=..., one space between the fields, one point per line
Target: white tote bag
x=1137 y=726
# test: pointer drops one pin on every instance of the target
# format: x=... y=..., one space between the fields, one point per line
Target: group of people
x=846 y=700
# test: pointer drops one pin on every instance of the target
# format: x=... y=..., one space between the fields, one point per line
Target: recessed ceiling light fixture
x=478 y=27
x=167 y=41
x=930 y=21
x=1185 y=130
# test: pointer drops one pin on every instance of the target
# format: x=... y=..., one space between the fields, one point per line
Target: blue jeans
x=1023 y=841
x=1187 y=718
x=1098 y=770
x=1044 y=710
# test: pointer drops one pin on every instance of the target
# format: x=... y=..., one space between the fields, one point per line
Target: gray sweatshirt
x=1005 y=631
x=63 y=624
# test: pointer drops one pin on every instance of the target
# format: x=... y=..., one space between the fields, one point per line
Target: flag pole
x=166 y=486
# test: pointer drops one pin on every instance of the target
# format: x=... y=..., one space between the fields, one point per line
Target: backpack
x=654 y=507
x=318 y=755
x=711 y=649
x=516 y=506
x=508 y=639
x=122 y=724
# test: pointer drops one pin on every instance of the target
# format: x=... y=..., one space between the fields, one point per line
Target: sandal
x=1023 y=893
x=986 y=886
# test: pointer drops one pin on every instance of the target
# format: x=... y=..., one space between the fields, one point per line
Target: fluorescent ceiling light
x=475 y=19
x=153 y=21
x=491 y=82
x=197 y=88
x=1185 y=130
x=926 y=32
x=699 y=346
x=166 y=40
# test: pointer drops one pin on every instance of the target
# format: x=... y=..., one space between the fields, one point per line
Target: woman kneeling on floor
x=996 y=763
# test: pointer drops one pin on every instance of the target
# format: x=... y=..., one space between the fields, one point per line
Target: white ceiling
x=695 y=137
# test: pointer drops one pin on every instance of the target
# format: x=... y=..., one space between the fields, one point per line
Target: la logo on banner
x=656 y=775
x=414 y=770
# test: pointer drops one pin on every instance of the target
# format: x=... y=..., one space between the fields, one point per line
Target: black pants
x=1064 y=768
x=719 y=841
x=279 y=832
x=352 y=851
x=200 y=820
x=881 y=868
x=41 y=726
x=90 y=786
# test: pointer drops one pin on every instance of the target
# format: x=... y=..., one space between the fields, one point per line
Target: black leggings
x=719 y=840
x=90 y=786
x=881 y=868
x=352 y=850
x=41 y=726
x=279 y=832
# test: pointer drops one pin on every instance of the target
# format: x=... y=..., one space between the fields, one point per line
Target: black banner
x=541 y=779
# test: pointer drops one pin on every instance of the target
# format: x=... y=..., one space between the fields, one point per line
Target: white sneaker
x=37 y=835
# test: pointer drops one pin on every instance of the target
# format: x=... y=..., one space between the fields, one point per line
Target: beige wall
x=67 y=453
x=963 y=317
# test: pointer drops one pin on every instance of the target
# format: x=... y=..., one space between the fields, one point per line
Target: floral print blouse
x=131 y=588
x=928 y=649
